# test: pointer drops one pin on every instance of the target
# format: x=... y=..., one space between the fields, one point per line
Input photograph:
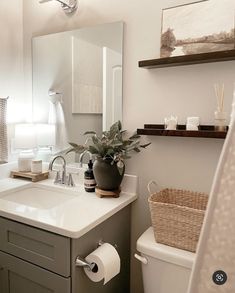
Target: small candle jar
x=220 y=121
x=36 y=166
x=171 y=123
x=24 y=161
x=192 y=123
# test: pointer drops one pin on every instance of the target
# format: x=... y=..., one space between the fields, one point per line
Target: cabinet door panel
x=3 y=280
x=45 y=249
x=19 y=276
x=18 y=283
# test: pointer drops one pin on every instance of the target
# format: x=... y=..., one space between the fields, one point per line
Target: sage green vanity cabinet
x=116 y=231
x=37 y=261
x=18 y=276
x=45 y=249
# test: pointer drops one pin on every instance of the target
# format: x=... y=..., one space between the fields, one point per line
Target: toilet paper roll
x=107 y=262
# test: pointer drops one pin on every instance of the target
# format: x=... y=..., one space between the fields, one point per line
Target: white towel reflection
x=56 y=117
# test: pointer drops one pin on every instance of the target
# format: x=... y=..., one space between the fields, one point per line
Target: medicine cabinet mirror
x=82 y=70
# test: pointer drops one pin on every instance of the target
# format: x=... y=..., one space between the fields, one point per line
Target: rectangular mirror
x=82 y=71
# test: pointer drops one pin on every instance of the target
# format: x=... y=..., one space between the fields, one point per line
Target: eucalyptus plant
x=112 y=146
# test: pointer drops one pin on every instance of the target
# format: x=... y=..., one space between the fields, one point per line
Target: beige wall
x=149 y=95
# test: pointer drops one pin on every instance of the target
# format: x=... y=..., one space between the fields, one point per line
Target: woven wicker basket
x=177 y=217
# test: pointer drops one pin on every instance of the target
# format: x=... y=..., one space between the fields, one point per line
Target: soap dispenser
x=89 y=182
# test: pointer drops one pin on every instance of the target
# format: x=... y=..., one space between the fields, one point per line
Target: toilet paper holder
x=81 y=262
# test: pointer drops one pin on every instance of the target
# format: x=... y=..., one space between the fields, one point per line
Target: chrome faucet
x=82 y=156
x=62 y=179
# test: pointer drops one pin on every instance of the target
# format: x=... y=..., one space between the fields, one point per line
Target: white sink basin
x=40 y=197
x=70 y=212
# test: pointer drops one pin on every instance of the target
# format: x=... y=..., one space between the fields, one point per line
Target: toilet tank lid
x=147 y=245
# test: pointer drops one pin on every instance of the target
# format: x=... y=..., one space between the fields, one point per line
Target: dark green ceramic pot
x=107 y=176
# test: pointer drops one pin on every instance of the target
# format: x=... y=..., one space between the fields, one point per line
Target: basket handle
x=150 y=185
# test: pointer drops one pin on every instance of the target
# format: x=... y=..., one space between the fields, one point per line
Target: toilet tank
x=166 y=269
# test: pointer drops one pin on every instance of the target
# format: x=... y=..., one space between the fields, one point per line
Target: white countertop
x=80 y=213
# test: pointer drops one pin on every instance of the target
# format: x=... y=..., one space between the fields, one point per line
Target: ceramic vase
x=107 y=175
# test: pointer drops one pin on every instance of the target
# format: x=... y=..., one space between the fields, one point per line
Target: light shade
x=25 y=136
x=45 y=134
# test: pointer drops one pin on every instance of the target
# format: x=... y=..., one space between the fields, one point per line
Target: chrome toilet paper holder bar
x=81 y=262
x=101 y=242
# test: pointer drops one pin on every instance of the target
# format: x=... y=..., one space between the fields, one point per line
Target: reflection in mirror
x=77 y=80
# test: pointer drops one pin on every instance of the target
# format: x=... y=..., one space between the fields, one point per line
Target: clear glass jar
x=25 y=160
x=220 y=121
x=44 y=154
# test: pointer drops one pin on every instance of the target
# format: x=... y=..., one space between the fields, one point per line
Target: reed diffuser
x=220 y=115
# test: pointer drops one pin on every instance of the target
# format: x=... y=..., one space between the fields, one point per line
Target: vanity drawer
x=45 y=249
x=19 y=276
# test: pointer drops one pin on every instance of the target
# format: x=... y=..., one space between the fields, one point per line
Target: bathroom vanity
x=40 y=240
x=43 y=228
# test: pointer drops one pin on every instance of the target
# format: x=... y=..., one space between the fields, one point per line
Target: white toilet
x=165 y=269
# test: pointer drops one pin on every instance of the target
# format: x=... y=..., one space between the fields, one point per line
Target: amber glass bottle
x=89 y=182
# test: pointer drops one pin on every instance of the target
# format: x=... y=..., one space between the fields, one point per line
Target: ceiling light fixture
x=69 y=6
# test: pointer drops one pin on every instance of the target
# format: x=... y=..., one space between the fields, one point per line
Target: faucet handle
x=57 y=178
x=63 y=177
x=70 y=181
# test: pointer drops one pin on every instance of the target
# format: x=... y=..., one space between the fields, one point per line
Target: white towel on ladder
x=3 y=131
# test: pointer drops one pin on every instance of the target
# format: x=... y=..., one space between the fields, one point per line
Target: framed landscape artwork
x=199 y=27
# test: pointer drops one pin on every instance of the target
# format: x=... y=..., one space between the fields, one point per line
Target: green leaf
x=110 y=152
x=115 y=129
x=78 y=149
x=120 y=166
x=95 y=139
x=145 y=145
x=116 y=144
x=90 y=132
x=73 y=144
x=136 y=150
x=119 y=125
x=93 y=150
x=126 y=143
x=125 y=157
x=135 y=136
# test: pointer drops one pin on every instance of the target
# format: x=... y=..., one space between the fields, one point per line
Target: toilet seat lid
x=147 y=245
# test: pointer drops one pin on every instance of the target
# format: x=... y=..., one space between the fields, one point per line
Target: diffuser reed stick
x=220 y=115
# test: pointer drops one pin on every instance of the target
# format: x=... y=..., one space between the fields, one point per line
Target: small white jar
x=36 y=166
x=24 y=161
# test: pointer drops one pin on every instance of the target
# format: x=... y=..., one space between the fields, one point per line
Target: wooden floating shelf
x=189 y=59
x=205 y=131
